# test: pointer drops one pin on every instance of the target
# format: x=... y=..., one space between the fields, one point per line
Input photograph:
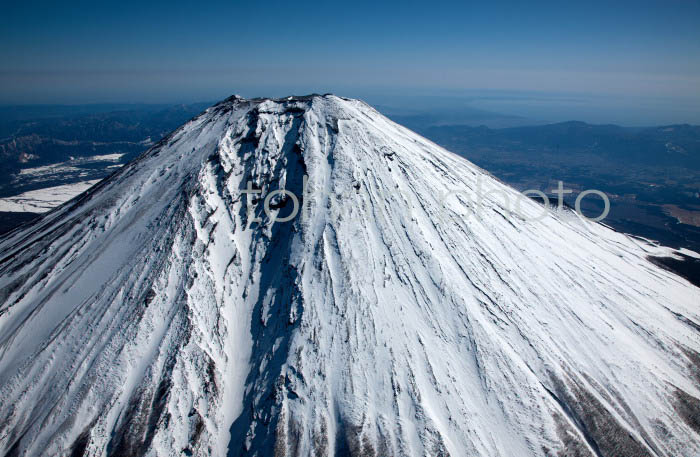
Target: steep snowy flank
x=398 y=314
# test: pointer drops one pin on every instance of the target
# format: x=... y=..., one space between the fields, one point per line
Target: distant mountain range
x=672 y=145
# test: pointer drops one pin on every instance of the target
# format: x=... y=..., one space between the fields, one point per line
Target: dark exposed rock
x=604 y=434
x=688 y=408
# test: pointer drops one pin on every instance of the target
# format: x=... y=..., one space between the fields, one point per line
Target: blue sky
x=173 y=51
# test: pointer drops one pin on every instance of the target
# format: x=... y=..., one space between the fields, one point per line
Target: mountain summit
x=302 y=276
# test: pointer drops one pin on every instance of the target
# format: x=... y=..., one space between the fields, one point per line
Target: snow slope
x=42 y=200
x=145 y=317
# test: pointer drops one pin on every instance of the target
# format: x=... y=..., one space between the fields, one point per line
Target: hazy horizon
x=523 y=107
x=631 y=63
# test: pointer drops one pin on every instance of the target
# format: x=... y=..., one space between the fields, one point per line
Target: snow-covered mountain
x=398 y=314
